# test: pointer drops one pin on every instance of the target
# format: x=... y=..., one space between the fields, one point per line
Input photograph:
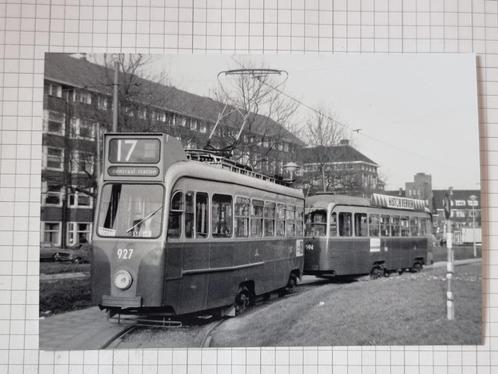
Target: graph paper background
x=28 y=29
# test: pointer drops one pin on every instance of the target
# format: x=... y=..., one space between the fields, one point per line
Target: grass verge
x=64 y=295
x=62 y=267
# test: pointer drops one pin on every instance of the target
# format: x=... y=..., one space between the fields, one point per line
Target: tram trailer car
x=348 y=235
x=176 y=236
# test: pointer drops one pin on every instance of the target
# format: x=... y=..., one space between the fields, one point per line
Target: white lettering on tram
x=124 y=253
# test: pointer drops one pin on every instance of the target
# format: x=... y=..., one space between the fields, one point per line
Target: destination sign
x=397 y=202
x=133 y=171
x=134 y=151
x=400 y=203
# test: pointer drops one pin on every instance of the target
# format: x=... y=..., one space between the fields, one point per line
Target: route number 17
x=122 y=144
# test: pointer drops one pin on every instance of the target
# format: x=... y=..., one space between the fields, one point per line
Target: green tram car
x=177 y=233
x=348 y=235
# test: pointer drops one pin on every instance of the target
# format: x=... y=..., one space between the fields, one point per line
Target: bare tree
x=139 y=92
x=321 y=132
x=256 y=119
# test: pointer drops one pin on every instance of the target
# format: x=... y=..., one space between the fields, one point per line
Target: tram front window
x=130 y=210
x=316 y=223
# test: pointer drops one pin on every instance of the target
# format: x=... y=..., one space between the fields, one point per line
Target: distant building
x=420 y=188
x=462 y=209
x=341 y=168
x=77 y=109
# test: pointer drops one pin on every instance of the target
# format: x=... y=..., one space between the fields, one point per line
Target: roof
x=79 y=72
x=335 y=153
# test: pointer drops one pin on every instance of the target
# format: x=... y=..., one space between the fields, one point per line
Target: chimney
x=344 y=142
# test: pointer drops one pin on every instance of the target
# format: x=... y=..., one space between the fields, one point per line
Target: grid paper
x=29 y=28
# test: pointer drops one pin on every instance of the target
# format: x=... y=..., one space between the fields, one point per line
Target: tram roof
x=324 y=199
x=200 y=170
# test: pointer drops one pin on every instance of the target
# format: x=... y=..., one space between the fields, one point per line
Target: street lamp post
x=473 y=198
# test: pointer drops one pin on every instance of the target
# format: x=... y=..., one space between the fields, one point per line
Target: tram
x=348 y=235
x=177 y=232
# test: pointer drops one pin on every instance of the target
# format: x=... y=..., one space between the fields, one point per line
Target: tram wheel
x=242 y=300
x=291 y=284
x=417 y=267
x=376 y=272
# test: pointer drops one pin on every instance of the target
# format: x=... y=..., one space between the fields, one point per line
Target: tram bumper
x=121 y=302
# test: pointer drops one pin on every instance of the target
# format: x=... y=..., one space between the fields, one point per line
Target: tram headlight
x=123 y=279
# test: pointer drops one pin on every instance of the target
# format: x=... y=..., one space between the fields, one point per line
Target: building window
x=193 y=125
x=51 y=232
x=82 y=162
x=102 y=102
x=82 y=129
x=203 y=128
x=79 y=199
x=78 y=233
x=142 y=113
x=54 y=158
x=55 y=90
x=85 y=98
x=55 y=123
x=52 y=195
x=473 y=203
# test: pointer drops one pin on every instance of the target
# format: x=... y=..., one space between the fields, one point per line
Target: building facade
x=465 y=210
x=420 y=188
x=340 y=169
x=77 y=110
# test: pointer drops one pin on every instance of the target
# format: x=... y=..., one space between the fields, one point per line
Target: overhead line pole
x=115 y=101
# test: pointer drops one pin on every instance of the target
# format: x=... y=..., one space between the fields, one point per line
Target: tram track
x=207 y=330
x=113 y=342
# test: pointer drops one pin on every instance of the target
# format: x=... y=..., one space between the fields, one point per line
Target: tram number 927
x=124 y=253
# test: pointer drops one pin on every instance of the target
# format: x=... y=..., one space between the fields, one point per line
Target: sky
x=417 y=113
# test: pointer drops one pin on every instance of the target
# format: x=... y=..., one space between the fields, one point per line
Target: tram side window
x=384 y=226
x=257 y=218
x=405 y=226
x=373 y=225
x=222 y=216
x=242 y=217
x=175 y=215
x=345 y=224
x=333 y=224
x=269 y=213
x=423 y=227
x=360 y=224
x=299 y=221
x=414 y=226
x=395 y=226
x=189 y=214
x=201 y=215
x=290 y=214
x=280 y=220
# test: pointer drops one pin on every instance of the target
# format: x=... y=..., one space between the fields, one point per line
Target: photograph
x=259 y=201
